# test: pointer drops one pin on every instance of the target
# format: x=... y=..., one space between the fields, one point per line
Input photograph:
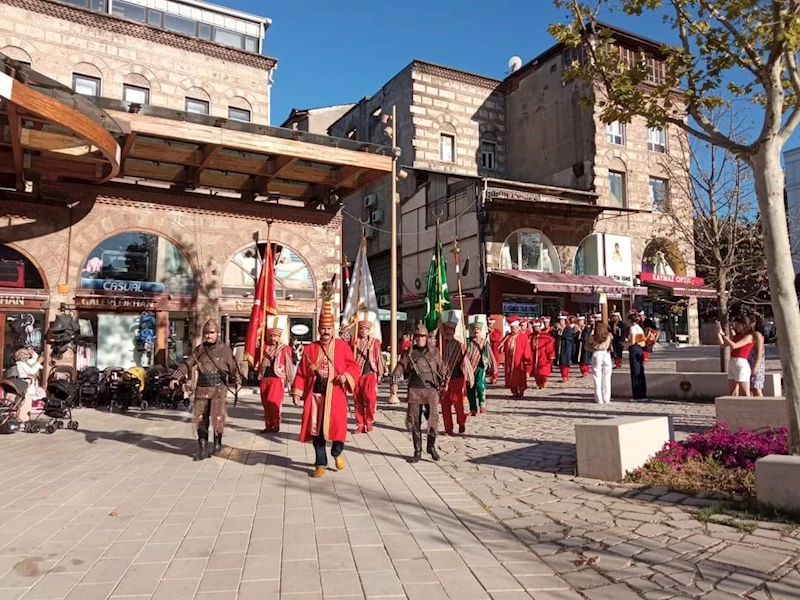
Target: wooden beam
x=276 y=166
x=52 y=165
x=346 y=176
x=207 y=155
x=126 y=147
x=253 y=142
x=15 y=128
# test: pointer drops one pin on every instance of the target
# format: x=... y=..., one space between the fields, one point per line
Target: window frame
x=189 y=99
x=138 y=88
x=244 y=110
x=611 y=136
x=97 y=80
x=492 y=154
x=452 y=139
x=623 y=189
x=664 y=205
x=659 y=146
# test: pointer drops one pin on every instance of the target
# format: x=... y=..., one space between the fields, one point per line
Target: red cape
x=543 y=349
x=326 y=415
x=517 y=360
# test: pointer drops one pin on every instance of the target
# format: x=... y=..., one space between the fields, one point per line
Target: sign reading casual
x=676 y=279
x=125 y=287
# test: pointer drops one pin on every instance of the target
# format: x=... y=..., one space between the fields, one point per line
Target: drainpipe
x=482 y=246
x=270 y=81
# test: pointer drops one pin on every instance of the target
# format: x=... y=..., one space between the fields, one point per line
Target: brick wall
x=60 y=40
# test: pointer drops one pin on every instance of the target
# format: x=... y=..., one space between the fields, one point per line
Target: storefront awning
x=679 y=289
x=562 y=283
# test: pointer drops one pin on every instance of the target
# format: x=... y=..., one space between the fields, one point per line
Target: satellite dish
x=514 y=63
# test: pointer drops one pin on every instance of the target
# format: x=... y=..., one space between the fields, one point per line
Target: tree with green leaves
x=740 y=53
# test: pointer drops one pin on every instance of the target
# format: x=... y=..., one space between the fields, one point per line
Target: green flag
x=438 y=297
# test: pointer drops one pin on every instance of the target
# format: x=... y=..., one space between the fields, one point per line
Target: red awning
x=571 y=284
x=681 y=289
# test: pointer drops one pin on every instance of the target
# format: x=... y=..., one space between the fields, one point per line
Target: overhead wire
x=458 y=216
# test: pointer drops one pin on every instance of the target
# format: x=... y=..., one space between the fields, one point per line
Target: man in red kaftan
x=276 y=368
x=517 y=349
x=495 y=339
x=543 y=351
x=326 y=373
x=458 y=372
x=371 y=368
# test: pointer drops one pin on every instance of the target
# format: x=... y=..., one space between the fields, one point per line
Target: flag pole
x=439 y=305
x=456 y=252
x=267 y=257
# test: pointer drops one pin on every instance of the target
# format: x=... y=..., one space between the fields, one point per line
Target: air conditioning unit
x=377 y=216
x=370 y=200
x=371 y=232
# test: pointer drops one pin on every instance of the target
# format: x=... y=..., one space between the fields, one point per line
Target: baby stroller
x=157 y=391
x=128 y=392
x=12 y=392
x=107 y=387
x=88 y=386
x=61 y=396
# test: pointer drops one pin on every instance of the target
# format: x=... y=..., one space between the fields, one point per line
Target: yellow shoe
x=340 y=464
x=319 y=472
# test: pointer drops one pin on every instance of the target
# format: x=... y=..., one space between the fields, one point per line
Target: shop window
x=529 y=250
x=293 y=279
x=17 y=272
x=662 y=257
x=137 y=263
x=23 y=329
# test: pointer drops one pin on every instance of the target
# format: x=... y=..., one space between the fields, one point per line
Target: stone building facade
x=64 y=42
x=531 y=129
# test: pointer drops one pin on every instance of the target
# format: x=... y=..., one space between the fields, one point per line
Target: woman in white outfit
x=600 y=345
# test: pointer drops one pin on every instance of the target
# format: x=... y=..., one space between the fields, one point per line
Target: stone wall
x=59 y=40
x=209 y=231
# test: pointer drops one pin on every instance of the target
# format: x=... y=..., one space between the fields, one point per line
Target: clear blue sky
x=338 y=52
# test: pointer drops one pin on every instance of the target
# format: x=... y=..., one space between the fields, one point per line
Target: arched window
x=662 y=257
x=293 y=279
x=529 y=250
x=589 y=256
x=17 y=271
x=138 y=262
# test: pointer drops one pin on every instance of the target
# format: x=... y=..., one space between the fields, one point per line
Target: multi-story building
x=315 y=120
x=140 y=179
x=555 y=209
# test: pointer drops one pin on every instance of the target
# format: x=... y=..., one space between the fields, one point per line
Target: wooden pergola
x=51 y=134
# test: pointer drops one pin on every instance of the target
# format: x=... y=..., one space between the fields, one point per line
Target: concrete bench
x=699 y=386
x=749 y=412
x=609 y=448
x=697 y=365
x=778 y=481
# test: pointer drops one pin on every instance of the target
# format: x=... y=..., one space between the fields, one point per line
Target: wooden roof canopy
x=47 y=131
x=192 y=152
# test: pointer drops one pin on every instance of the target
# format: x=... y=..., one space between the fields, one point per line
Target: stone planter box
x=609 y=448
x=696 y=386
x=752 y=413
x=778 y=481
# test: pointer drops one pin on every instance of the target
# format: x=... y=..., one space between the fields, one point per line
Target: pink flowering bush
x=719 y=461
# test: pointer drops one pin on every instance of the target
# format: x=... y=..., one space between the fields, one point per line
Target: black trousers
x=638 y=380
x=321 y=459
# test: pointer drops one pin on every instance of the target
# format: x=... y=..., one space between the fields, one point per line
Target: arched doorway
x=23 y=305
x=136 y=302
x=529 y=250
x=295 y=292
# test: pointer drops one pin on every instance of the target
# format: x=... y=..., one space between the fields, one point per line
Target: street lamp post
x=393 y=399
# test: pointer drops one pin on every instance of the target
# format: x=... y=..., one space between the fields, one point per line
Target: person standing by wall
x=636 y=343
x=741 y=344
x=757 y=356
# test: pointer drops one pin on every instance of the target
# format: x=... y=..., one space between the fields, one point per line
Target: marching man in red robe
x=495 y=339
x=518 y=359
x=276 y=368
x=543 y=350
x=371 y=368
x=458 y=372
x=327 y=372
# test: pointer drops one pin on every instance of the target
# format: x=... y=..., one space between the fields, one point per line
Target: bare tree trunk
x=722 y=317
x=769 y=183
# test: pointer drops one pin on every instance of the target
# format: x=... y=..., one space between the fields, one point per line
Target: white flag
x=361 y=297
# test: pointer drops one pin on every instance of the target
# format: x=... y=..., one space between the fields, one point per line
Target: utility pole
x=391 y=132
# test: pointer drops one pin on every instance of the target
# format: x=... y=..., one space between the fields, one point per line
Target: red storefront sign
x=672 y=279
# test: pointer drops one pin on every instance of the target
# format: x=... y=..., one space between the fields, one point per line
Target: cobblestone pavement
x=117 y=510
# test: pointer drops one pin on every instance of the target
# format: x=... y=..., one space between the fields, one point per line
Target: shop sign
x=505 y=194
x=619 y=265
x=522 y=309
x=114 y=302
x=300 y=329
x=676 y=279
x=20 y=301
x=11 y=300
x=126 y=287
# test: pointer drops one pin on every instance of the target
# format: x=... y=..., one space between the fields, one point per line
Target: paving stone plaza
x=118 y=510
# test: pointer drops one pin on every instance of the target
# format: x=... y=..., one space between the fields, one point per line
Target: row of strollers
x=112 y=388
